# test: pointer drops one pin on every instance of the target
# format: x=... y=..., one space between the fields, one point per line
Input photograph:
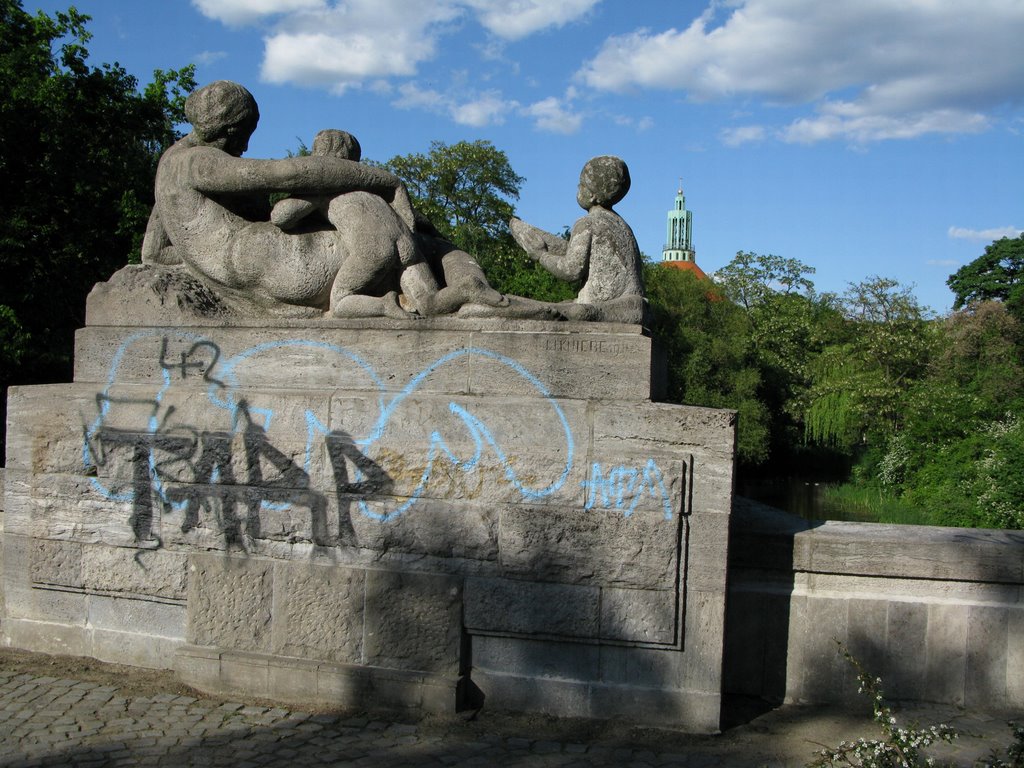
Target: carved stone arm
x=213 y=172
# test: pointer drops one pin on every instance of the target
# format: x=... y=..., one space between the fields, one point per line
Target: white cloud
x=875 y=69
x=488 y=108
x=640 y=124
x=744 y=134
x=209 y=57
x=864 y=128
x=554 y=115
x=516 y=19
x=983 y=235
x=337 y=44
x=354 y=41
x=249 y=11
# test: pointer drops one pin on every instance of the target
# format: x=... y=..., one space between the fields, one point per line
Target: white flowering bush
x=1000 y=487
x=900 y=747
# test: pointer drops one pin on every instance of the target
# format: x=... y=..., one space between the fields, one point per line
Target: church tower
x=678 y=252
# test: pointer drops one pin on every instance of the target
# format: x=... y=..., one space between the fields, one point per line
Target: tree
x=959 y=451
x=860 y=384
x=998 y=274
x=750 y=278
x=706 y=344
x=466 y=191
x=78 y=152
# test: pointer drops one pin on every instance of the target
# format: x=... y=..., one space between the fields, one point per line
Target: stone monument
x=313 y=456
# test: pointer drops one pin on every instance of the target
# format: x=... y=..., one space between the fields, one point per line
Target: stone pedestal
x=434 y=514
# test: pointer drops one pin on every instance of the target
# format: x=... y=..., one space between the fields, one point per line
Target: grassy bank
x=871 y=504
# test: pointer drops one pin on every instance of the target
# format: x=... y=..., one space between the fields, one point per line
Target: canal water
x=804 y=497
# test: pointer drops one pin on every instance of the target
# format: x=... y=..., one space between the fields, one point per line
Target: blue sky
x=862 y=137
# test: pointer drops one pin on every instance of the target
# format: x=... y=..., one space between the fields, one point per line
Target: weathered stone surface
x=530 y=607
x=142 y=572
x=320 y=612
x=590 y=546
x=986 y=667
x=450 y=357
x=933 y=624
x=906 y=634
x=431 y=527
x=317 y=493
x=945 y=652
x=940 y=553
x=536 y=658
x=658 y=429
x=639 y=616
x=230 y=602
x=161 y=295
x=70 y=507
x=412 y=621
x=707 y=540
x=45 y=427
x=57 y=562
x=137 y=617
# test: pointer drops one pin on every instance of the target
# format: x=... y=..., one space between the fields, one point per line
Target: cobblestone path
x=48 y=721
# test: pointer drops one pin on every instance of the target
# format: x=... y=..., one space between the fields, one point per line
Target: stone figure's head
x=334 y=143
x=604 y=181
x=223 y=114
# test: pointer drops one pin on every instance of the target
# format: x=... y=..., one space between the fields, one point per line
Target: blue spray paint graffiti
x=624 y=487
x=165 y=450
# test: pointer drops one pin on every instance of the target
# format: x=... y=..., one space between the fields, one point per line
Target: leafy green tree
x=998 y=274
x=790 y=325
x=78 y=152
x=705 y=341
x=466 y=190
x=751 y=278
x=861 y=382
x=962 y=425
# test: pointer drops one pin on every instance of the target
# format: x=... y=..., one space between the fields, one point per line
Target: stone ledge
x=147 y=296
x=766 y=538
x=299 y=681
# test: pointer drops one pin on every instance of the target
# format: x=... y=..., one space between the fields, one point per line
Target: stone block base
x=302 y=682
x=379 y=513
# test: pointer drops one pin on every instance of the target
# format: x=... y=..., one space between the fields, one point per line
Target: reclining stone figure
x=212 y=214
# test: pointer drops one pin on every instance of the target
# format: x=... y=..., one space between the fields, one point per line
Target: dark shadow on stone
x=754 y=664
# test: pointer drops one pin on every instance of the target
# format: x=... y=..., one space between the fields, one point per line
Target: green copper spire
x=678 y=240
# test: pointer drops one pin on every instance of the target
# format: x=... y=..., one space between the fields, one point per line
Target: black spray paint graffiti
x=219 y=471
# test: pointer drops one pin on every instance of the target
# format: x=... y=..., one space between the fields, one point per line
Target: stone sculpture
x=213 y=215
x=346 y=241
x=601 y=250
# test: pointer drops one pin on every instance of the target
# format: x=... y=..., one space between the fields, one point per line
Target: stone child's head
x=223 y=114
x=604 y=181
x=334 y=143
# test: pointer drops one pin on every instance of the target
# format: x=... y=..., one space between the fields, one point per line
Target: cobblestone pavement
x=51 y=721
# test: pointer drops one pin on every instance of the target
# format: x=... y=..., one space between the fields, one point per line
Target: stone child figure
x=288 y=213
x=601 y=251
x=212 y=214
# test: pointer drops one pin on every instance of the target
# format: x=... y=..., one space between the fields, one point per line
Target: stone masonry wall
x=937 y=613
x=423 y=514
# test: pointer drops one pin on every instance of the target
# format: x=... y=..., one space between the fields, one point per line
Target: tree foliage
x=706 y=343
x=751 y=279
x=78 y=152
x=859 y=383
x=996 y=275
x=466 y=190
